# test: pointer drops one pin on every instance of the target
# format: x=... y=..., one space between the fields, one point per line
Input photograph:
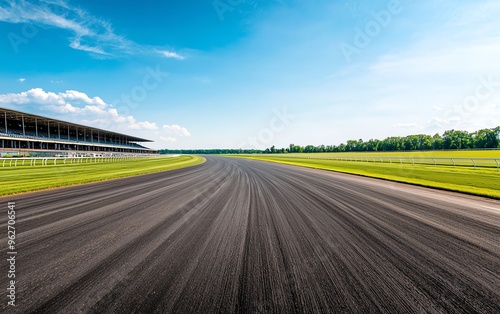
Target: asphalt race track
x=234 y=235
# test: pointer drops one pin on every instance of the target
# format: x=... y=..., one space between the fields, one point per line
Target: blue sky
x=254 y=73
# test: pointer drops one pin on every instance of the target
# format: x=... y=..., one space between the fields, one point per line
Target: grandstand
x=33 y=135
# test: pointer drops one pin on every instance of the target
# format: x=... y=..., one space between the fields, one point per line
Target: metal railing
x=417 y=160
x=44 y=161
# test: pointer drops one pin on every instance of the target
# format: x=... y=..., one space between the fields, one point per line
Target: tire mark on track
x=235 y=235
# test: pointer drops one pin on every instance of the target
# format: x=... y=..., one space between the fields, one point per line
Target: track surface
x=234 y=235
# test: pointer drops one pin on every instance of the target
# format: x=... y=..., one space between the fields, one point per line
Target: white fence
x=44 y=161
x=422 y=160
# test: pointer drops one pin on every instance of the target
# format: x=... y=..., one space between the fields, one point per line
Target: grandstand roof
x=25 y=114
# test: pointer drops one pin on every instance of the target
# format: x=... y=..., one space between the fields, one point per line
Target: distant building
x=28 y=134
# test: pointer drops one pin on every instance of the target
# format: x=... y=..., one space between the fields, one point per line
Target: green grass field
x=482 y=181
x=15 y=180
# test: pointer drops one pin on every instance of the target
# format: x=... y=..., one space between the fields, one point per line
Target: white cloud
x=144 y=125
x=73 y=94
x=87 y=33
x=22 y=79
x=168 y=139
x=78 y=104
x=78 y=107
x=465 y=118
x=434 y=79
x=177 y=129
x=443 y=61
x=171 y=54
x=466 y=44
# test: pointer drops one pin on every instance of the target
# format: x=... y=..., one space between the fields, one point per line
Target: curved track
x=235 y=235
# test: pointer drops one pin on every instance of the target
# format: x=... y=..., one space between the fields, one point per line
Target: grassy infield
x=482 y=181
x=24 y=179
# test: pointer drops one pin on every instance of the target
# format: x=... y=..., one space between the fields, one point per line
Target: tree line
x=451 y=139
x=216 y=151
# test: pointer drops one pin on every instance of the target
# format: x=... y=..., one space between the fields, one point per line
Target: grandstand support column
x=48 y=129
x=58 y=131
x=36 y=127
x=24 y=130
x=77 y=134
x=5 y=115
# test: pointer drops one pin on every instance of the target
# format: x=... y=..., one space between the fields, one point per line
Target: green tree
x=437 y=141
